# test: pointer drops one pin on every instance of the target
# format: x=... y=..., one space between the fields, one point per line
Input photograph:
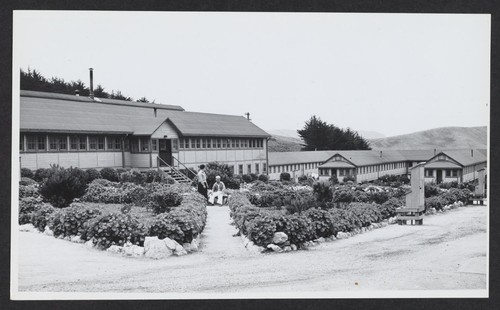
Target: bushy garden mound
x=113 y=213
x=305 y=214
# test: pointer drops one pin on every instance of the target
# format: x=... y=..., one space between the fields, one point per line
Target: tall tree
x=319 y=135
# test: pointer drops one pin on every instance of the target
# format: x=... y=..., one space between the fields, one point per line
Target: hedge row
x=447 y=197
x=260 y=224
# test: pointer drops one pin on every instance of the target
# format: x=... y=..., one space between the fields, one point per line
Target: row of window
x=293 y=167
x=383 y=167
x=449 y=173
x=219 y=143
x=342 y=172
x=37 y=143
x=249 y=168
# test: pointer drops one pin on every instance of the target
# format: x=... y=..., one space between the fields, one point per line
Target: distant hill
x=293 y=133
x=279 y=143
x=444 y=138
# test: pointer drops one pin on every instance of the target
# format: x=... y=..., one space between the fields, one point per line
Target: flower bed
x=271 y=226
x=126 y=226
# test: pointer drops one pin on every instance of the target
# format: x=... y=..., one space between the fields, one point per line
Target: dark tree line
x=318 y=135
x=34 y=80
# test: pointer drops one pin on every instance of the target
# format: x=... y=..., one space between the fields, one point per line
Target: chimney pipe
x=380 y=154
x=248 y=115
x=434 y=151
x=91 y=71
x=471 y=153
x=77 y=93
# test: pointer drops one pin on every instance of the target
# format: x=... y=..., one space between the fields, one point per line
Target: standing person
x=202 y=182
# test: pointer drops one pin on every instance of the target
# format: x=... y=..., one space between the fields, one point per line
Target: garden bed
x=155 y=219
x=277 y=217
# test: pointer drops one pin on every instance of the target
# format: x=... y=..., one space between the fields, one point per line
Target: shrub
x=27 y=173
x=153 y=176
x=104 y=191
x=366 y=213
x=321 y=222
x=27 y=181
x=343 y=195
x=388 y=208
x=163 y=200
x=183 y=223
x=323 y=192
x=261 y=230
x=114 y=229
x=26 y=208
x=263 y=178
x=69 y=221
x=41 y=174
x=435 y=202
x=121 y=170
x=232 y=183
x=29 y=191
x=285 y=176
x=63 y=186
x=40 y=217
x=246 y=178
x=431 y=190
x=379 y=197
x=302 y=179
x=301 y=204
x=349 y=178
x=214 y=169
x=132 y=176
x=110 y=174
x=333 y=179
x=92 y=174
x=254 y=177
x=297 y=227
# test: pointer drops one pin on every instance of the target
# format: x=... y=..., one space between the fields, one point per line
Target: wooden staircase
x=174 y=173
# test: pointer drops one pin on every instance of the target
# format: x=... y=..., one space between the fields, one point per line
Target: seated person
x=217 y=195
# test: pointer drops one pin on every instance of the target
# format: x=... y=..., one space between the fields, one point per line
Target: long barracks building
x=440 y=166
x=89 y=132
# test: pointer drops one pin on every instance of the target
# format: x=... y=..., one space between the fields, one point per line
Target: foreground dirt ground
x=447 y=252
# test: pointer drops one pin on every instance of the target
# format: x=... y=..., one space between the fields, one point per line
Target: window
x=224 y=143
x=144 y=144
x=442 y=157
x=246 y=143
x=53 y=143
x=237 y=143
x=264 y=167
x=175 y=145
x=204 y=145
x=181 y=143
x=154 y=145
x=454 y=173
x=219 y=143
x=92 y=143
x=209 y=143
x=428 y=173
x=41 y=143
x=240 y=169
x=31 y=143
x=134 y=144
x=249 y=168
x=198 y=143
x=82 y=141
x=21 y=142
x=114 y=143
x=448 y=172
x=100 y=143
x=126 y=144
x=257 y=166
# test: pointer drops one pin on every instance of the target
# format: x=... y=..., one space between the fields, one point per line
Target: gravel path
x=447 y=252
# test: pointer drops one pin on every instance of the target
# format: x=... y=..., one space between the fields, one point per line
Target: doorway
x=165 y=151
x=439 y=176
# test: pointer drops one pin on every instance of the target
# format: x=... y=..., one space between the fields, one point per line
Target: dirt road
x=447 y=252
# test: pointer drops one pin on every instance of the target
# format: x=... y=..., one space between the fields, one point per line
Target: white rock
x=89 y=244
x=250 y=244
x=156 y=248
x=115 y=249
x=170 y=244
x=320 y=240
x=287 y=248
x=280 y=237
x=133 y=250
x=194 y=245
x=179 y=251
x=48 y=232
x=293 y=246
x=27 y=227
x=274 y=247
x=76 y=239
x=384 y=224
x=187 y=247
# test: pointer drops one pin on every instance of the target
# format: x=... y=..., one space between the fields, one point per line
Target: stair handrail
x=188 y=169
x=158 y=160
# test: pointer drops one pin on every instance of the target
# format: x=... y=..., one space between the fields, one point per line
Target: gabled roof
x=466 y=157
x=336 y=164
x=46 y=112
x=442 y=164
x=286 y=158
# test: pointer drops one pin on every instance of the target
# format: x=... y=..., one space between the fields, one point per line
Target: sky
x=388 y=73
